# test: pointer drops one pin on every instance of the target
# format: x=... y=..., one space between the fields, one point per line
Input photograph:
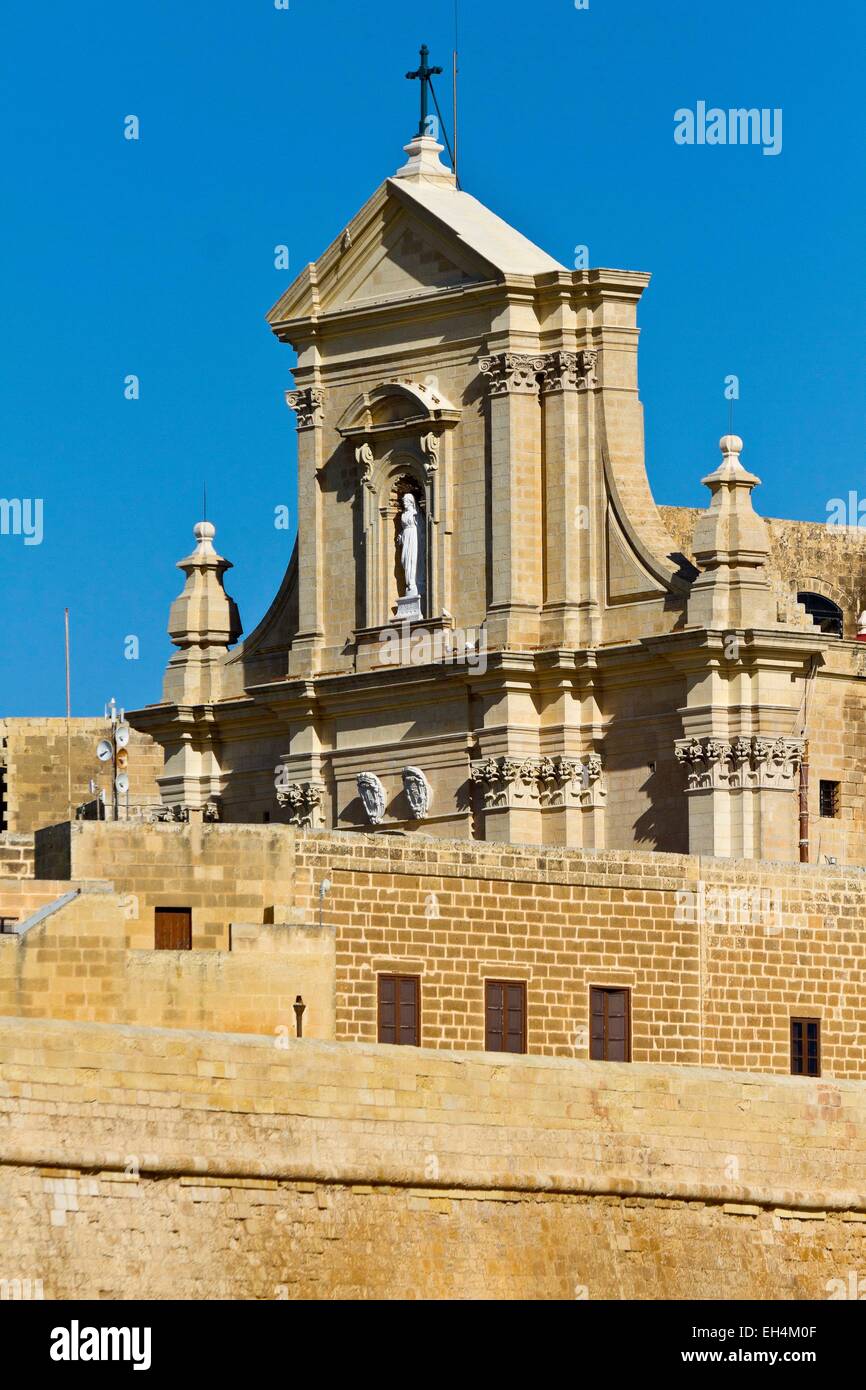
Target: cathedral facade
x=488 y=630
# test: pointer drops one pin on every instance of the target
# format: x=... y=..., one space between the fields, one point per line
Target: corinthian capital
x=308 y=404
x=570 y=371
x=512 y=372
x=303 y=800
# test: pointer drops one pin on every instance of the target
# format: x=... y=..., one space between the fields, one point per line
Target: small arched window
x=824 y=613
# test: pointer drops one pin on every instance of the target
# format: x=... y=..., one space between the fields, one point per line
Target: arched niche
x=400 y=434
x=397 y=470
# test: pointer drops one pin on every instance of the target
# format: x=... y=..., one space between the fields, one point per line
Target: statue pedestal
x=408 y=608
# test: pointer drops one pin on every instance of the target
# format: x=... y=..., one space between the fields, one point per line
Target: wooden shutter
x=400 y=1010
x=806 y=1047
x=505 y=1016
x=610 y=1031
x=173 y=929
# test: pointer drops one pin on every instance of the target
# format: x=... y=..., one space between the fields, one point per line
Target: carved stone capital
x=542 y=782
x=304 y=800
x=309 y=406
x=169 y=815
x=495 y=777
x=570 y=371
x=512 y=372
x=777 y=761
x=755 y=763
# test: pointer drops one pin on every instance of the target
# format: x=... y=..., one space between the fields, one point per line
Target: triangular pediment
x=408 y=261
x=409 y=240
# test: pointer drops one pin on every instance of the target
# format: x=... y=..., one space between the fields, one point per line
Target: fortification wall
x=182 y=1165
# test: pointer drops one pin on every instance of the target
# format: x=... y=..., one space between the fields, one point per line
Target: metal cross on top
x=424 y=74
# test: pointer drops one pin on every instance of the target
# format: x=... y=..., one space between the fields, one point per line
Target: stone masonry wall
x=34 y=755
x=16 y=856
x=225 y=874
x=718 y=955
x=74 y=962
x=137 y=1163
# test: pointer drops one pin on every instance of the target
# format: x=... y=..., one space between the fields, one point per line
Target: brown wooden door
x=610 y=1031
x=400 y=1010
x=173 y=929
x=504 y=1016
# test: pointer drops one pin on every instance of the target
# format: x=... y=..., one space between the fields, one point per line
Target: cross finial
x=424 y=74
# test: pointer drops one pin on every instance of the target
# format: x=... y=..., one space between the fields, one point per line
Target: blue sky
x=262 y=126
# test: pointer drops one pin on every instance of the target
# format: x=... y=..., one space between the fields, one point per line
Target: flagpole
x=68 y=719
x=456 y=47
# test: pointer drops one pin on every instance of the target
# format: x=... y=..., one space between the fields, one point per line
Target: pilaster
x=567 y=382
x=741 y=795
x=308 y=405
x=516 y=500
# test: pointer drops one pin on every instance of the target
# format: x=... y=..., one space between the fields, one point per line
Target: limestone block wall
x=837 y=752
x=75 y=962
x=16 y=856
x=225 y=874
x=33 y=753
x=140 y=1163
x=647 y=806
x=20 y=897
x=718 y=954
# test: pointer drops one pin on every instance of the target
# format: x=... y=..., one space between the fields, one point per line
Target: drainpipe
x=804 y=805
x=804 y=764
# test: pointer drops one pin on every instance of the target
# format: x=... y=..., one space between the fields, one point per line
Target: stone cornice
x=692 y=649
x=352 y=319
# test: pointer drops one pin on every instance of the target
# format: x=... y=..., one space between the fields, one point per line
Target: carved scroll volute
x=365 y=458
x=431 y=444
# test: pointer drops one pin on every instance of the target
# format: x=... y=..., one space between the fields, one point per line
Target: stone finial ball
x=204 y=531
x=731 y=444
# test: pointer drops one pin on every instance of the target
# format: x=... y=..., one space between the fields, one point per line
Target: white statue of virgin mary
x=409 y=543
